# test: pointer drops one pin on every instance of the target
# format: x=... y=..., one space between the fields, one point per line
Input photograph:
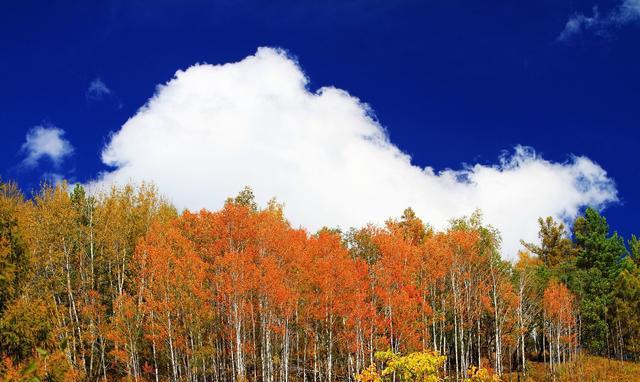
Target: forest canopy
x=119 y=285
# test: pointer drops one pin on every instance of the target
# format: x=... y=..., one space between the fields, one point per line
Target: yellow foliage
x=414 y=367
x=369 y=374
x=481 y=375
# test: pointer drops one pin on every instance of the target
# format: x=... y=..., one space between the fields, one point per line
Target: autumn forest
x=120 y=285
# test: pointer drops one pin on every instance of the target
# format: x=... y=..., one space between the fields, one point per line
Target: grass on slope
x=587 y=368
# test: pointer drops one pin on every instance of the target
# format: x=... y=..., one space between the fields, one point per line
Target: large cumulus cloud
x=213 y=129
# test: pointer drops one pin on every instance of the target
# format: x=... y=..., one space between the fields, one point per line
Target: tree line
x=121 y=286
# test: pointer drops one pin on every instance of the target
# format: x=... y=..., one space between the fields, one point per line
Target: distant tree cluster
x=120 y=286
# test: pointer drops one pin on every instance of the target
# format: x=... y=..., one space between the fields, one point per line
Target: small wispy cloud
x=45 y=142
x=97 y=90
x=53 y=178
x=625 y=13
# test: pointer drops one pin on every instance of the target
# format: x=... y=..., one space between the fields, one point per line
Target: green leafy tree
x=598 y=265
x=634 y=247
x=626 y=312
x=245 y=198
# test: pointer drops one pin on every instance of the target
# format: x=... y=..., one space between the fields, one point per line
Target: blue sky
x=452 y=82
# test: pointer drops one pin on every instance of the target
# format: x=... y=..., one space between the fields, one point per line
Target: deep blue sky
x=453 y=81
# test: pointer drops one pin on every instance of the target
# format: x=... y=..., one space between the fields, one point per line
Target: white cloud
x=45 y=141
x=97 y=89
x=626 y=12
x=53 y=178
x=216 y=128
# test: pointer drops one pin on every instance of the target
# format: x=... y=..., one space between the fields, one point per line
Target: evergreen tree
x=626 y=312
x=598 y=265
